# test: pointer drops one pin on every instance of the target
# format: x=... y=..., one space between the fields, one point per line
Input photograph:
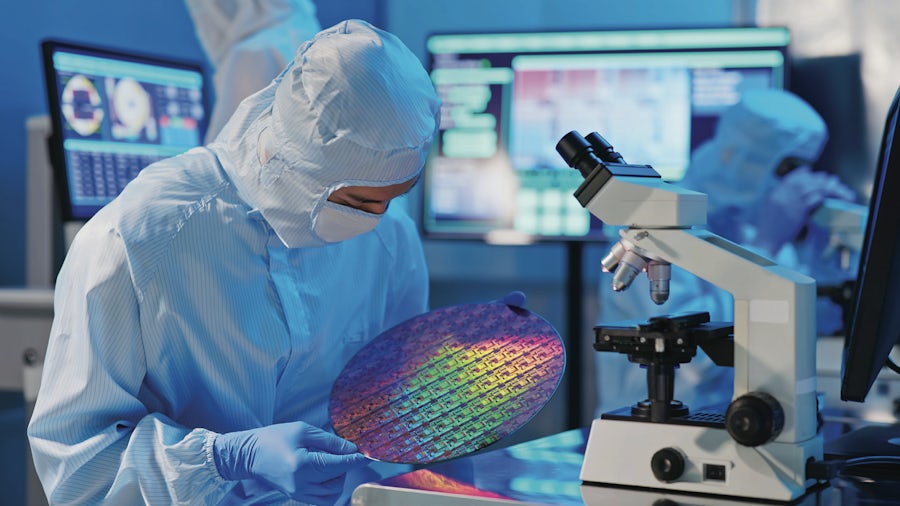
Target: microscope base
x=620 y=453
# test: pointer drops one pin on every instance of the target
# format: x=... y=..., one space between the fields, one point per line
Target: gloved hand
x=514 y=299
x=302 y=461
x=788 y=207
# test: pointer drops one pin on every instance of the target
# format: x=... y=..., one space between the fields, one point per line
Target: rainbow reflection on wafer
x=447 y=383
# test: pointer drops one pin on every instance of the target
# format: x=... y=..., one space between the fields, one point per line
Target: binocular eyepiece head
x=584 y=154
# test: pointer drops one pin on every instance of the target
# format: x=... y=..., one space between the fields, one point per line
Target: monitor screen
x=509 y=97
x=874 y=327
x=114 y=113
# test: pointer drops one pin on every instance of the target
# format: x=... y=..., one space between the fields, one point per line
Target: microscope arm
x=774 y=333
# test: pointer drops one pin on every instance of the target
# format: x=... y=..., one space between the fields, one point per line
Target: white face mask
x=336 y=222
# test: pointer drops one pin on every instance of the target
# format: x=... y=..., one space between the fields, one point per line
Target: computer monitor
x=508 y=97
x=874 y=325
x=112 y=114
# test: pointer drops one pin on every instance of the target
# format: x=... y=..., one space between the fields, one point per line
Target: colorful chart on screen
x=81 y=105
x=131 y=106
x=447 y=383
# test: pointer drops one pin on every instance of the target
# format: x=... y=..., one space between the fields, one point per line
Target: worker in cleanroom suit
x=756 y=174
x=202 y=317
x=248 y=44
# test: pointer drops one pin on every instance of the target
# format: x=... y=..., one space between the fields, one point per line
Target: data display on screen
x=509 y=97
x=113 y=114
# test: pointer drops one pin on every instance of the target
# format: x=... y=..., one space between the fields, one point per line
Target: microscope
x=845 y=224
x=759 y=446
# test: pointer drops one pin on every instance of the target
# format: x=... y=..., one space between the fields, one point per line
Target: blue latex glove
x=789 y=205
x=514 y=298
x=302 y=461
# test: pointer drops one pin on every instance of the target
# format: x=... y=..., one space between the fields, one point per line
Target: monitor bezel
x=55 y=141
x=868 y=344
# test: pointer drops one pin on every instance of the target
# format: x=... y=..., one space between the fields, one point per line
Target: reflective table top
x=546 y=471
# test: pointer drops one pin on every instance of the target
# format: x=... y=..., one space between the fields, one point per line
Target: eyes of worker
x=374 y=200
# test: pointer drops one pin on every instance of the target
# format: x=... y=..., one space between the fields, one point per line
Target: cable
x=892 y=365
x=829 y=469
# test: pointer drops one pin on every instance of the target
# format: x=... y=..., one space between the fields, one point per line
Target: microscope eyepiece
x=586 y=153
x=603 y=148
x=578 y=153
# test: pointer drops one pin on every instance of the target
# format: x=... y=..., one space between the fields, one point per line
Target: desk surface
x=546 y=470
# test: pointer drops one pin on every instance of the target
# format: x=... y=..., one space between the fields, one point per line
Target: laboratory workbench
x=546 y=472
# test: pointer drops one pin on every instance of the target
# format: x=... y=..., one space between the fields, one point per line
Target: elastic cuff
x=209 y=450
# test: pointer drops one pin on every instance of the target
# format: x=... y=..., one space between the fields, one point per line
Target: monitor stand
x=48 y=235
x=44 y=232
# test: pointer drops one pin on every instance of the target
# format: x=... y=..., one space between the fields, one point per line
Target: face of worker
x=354 y=210
x=372 y=200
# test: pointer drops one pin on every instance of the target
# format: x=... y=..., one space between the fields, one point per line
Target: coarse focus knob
x=754 y=419
x=667 y=464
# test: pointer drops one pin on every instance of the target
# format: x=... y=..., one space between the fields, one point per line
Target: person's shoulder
x=181 y=177
x=155 y=209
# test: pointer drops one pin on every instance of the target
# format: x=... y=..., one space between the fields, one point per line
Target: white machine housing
x=648 y=203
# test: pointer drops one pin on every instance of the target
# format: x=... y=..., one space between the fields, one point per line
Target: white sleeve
x=244 y=71
x=92 y=439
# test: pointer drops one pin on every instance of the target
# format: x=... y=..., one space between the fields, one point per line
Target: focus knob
x=754 y=419
x=667 y=464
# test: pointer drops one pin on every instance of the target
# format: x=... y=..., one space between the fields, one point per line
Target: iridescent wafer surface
x=447 y=383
